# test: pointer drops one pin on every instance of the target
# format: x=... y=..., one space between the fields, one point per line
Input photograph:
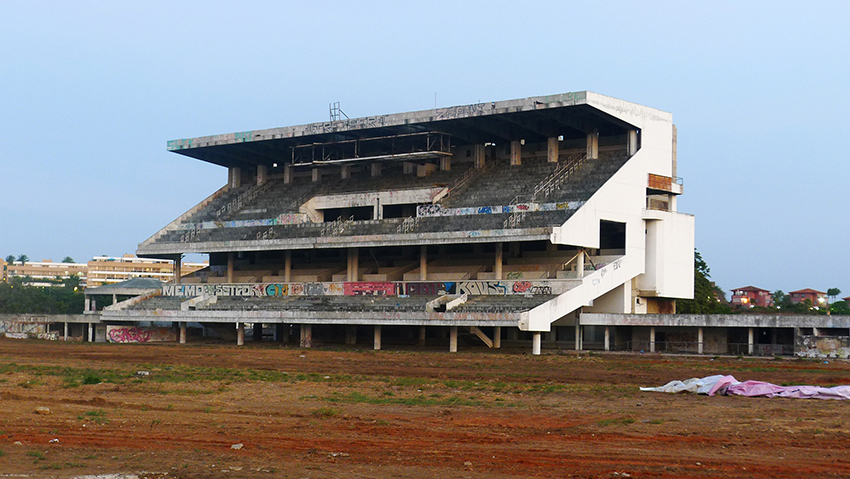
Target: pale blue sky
x=90 y=92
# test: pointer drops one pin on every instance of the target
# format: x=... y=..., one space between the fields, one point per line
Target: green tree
x=841 y=307
x=705 y=294
x=10 y=259
x=23 y=258
x=67 y=259
x=832 y=293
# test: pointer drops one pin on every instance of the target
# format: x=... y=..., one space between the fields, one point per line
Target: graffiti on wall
x=439 y=210
x=375 y=288
x=133 y=334
x=460 y=111
x=283 y=219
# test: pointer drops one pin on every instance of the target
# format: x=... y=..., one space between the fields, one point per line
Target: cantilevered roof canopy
x=532 y=119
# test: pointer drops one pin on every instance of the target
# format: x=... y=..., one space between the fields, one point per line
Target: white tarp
x=720 y=384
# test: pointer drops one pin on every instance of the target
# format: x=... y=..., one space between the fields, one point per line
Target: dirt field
x=406 y=414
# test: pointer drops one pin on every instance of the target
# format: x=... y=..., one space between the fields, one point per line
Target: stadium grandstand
x=497 y=222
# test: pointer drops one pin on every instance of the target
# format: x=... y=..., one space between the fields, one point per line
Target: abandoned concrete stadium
x=548 y=221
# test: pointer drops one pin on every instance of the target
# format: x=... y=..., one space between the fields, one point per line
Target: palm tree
x=10 y=259
x=23 y=258
x=67 y=259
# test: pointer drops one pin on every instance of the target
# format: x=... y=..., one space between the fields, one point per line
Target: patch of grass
x=615 y=421
x=91 y=377
x=207 y=409
x=325 y=412
x=36 y=454
x=97 y=416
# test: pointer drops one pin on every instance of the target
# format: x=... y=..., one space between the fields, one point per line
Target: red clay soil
x=407 y=414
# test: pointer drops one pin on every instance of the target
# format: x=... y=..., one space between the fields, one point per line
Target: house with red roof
x=750 y=296
x=817 y=298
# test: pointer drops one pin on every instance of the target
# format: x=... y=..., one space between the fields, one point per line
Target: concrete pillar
x=353 y=264
x=351 y=335
x=262 y=174
x=376 y=169
x=240 y=334
x=652 y=339
x=497 y=268
x=699 y=341
x=377 y=210
x=258 y=332
x=87 y=306
x=287 y=173
x=446 y=163
x=94 y=304
x=607 y=339
x=235 y=176
x=377 y=346
x=306 y=336
x=423 y=263
x=91 y=332
x=580 y=264
x=231 y=258
x=287 y=266
x=453 y=339
x=345 y=172
x=407 y=168
x=114 y=299
x=317 y=175
x=592 y=146
x=751 y=347
x=633 y=142
x=178 y=268
x=578 y=335
x=552 y=147
x=497 y=337
x=535 y=343
x=516 y=153
x=65 y=335
x=422 y=335
x=815 y=332
x=182 y=332
x=478 y=156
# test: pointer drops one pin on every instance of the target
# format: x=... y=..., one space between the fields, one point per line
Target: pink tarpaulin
x=712 y=385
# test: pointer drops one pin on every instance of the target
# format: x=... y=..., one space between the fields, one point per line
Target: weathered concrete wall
x=717 y=320
x=822 y=346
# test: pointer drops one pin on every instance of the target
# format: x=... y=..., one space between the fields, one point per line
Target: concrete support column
x=633 y=139
x=535 y=343
x=182 y=332
x=377 y=345
x=497 y=337
x=592 y=146
x=258 y=332
x=353 y=264
x=287 y=173
x=262 y=174
x=815 y=332
x=607 y=339
x=178 y=268
x=317 y=175
x=516 y=153
x=497 y=267
x=580 y=264
x=578 y=335
x=422 y=335
x=478 y=156
x=231 y=258
x=423 y=263
x=407 y=168
x=699 y=341
x=345 y=172
x=306 y=336
x=240 y=334
x=751 y=346
x=65 y=335
x=552 y=147
x=446 y=163
x=376 y=169
x=351 y=335
x=234 y=176
x=453 y=339
x=87 y=306
x=91 y=332
x=377 y=211
x=652 y=339
x=94 y=304
x=287 y=266
x=114 y=299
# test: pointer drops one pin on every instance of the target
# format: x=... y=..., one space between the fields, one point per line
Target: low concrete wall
x=822 y=346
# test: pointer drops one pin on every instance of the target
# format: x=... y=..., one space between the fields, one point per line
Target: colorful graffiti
x=132 y=334
x=375 y=288
x=439 y=210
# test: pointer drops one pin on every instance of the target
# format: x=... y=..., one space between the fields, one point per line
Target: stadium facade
x=503 y=220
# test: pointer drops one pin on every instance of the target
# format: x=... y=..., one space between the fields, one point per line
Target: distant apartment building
x=817 y=298
x=103 y=270
x=750 y=296
x=44 y=272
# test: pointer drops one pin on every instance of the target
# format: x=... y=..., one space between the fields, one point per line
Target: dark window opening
x=399 y=211
x=612 y=235
x=360 y=213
